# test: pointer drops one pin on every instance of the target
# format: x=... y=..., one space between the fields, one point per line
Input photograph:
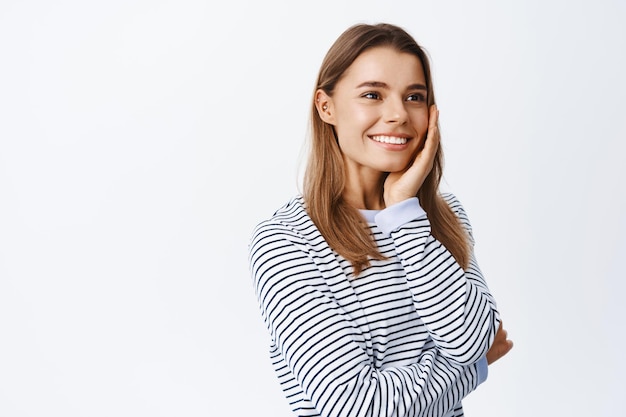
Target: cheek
x=420 y=122
x=354 y=121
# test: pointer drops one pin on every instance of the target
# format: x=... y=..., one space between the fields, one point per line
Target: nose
x=395 y=112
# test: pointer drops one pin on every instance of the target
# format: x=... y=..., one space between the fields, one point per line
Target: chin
x=395 y=167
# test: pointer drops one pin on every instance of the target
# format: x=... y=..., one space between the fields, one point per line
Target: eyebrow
x=380 y=84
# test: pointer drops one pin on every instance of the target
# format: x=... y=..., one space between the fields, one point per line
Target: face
x=379 y=111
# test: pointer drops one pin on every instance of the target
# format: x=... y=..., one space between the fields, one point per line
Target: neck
x=365 y=190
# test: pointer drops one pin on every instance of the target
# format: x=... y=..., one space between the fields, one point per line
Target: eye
x=419 y=97
x=371 y=95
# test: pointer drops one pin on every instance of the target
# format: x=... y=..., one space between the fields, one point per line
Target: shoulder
x=289 y=215
x=283 y=249
x=290 y=222
x=455 y=204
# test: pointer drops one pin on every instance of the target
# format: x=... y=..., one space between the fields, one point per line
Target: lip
x=395 y=141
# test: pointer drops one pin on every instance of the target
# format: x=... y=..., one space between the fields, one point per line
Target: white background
x=141 y=141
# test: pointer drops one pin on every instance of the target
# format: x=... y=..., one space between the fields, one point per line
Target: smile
x=394 y=140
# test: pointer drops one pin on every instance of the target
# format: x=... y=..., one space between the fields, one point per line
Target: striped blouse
x=405 y=338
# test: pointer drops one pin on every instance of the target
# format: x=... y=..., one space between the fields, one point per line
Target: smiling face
x=379 y=111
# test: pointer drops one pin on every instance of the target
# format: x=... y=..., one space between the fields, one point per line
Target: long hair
x=342 y=226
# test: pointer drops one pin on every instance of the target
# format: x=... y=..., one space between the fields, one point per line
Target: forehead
x=387 y=65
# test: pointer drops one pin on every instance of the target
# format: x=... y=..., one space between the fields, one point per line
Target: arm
x=455 y=305
x=324 y=350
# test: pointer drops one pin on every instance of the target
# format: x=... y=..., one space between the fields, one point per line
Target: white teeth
x=390 y=139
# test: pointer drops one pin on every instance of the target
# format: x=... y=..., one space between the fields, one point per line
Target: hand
x=400 y=186
x=500 y=347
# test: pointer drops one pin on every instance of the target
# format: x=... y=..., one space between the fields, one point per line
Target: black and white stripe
x=402 y=339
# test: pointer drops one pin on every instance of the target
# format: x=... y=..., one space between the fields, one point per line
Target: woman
x=367 y=282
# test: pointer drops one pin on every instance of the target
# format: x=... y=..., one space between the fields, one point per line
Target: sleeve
x=455 y=305
x=326 y=354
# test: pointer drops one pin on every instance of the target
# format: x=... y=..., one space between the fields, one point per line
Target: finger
x=498 y=350
x=432 y=138
x=500 y=329
x=506 y=348
x=433 y=117
x=501 y=351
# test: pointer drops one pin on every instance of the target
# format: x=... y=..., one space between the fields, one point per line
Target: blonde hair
x=342 y=226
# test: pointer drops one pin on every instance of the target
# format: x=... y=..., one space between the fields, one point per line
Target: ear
x=324 y=106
